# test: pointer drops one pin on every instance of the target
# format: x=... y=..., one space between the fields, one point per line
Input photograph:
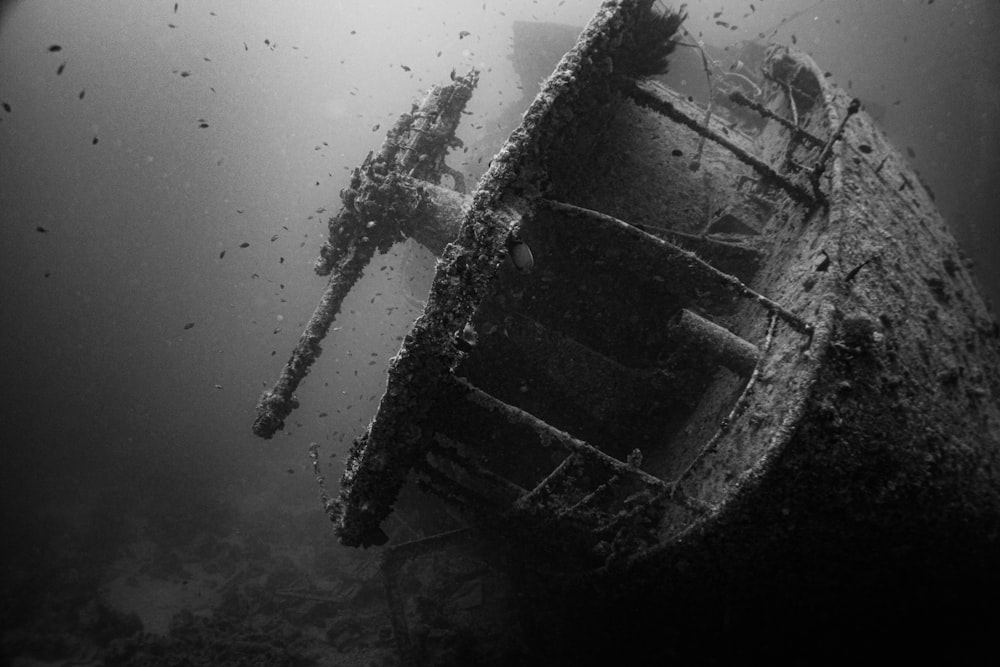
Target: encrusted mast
x=391 y=196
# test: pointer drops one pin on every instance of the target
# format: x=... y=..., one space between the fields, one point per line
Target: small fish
x=376 y=126
x=634 y=459
x=60 y=69
x=911 y=153
x=222 y=254
x=245 y=47
x=405 y=68
x=244 y=245
x=94 y=141
x=54 y=48
x=218 y=386
x=41 y=230
x=520 y=253
x=185 y=74
x=82 y=93
x=281 y=260
x=203 y=125
x=175 y=8
x=794 y=40
x=274 y=238
x=6 y=107
x=463 y=34
x=171 y=25
x=188 y=326
x=854 y=272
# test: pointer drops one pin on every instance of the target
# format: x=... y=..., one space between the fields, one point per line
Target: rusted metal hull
x=833 y=271
x=741 y=366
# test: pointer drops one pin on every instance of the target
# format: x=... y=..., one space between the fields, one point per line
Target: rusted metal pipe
x=714 y=343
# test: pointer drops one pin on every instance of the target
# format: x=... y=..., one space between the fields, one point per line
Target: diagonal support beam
x=648 y=94
x=691 y=261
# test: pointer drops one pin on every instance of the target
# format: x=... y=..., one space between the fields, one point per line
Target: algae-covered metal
x=654 y=380
x=751 y=344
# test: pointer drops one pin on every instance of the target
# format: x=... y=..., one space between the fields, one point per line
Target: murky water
x=166 y=174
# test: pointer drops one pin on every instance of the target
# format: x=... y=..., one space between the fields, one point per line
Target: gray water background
x=105 y=391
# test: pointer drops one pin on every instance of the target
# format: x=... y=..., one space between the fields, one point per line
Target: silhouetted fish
x=60 y=70
x=244 y=245
x=41 y=229
x=520 y=253
x=222 y=254
x=464 y=34
x=54 y=48
x=82 y=93
x=188 y=326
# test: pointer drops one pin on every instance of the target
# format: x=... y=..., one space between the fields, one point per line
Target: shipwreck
x=702 y=359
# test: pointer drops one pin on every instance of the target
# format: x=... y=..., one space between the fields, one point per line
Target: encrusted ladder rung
x=588 y=499
x=545 y=487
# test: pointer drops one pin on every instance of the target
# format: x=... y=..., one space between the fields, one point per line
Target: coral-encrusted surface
x=855 y=464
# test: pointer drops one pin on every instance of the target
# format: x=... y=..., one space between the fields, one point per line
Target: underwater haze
x=167 y=171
